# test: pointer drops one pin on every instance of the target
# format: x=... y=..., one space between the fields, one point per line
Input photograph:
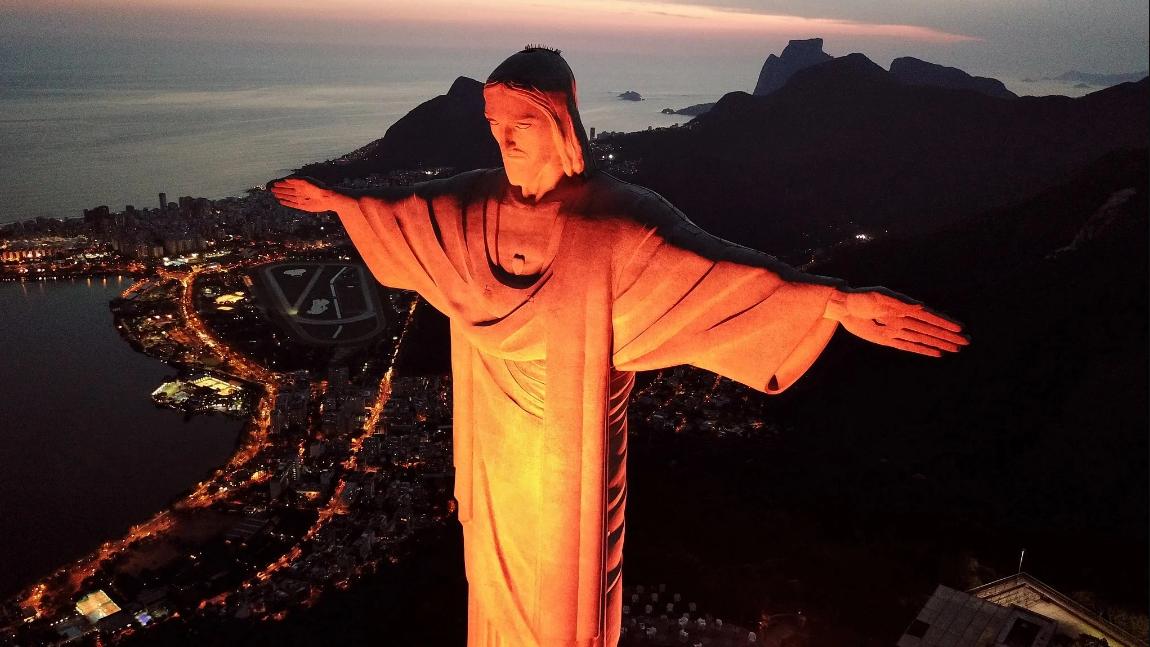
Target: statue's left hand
x=883 y=317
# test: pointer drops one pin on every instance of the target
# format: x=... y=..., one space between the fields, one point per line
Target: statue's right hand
x=305 y=195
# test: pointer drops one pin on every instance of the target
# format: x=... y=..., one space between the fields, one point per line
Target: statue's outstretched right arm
x=380 y=224
x=312 y=196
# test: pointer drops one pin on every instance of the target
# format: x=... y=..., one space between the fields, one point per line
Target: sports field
x=322 y=303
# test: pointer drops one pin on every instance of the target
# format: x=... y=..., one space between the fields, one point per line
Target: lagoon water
x=84 y=453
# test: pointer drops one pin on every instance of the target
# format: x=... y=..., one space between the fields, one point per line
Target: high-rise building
x=96 y=215
x=201 y=208
x=295 y=470
x=163 y=201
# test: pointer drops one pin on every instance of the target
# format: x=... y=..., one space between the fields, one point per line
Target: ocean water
x=85 y=453
x=84 y=123
x=115 y=122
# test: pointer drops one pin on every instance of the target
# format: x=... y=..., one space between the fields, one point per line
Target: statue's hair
x=536 y=47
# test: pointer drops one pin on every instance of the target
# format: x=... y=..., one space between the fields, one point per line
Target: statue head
x=530 y=103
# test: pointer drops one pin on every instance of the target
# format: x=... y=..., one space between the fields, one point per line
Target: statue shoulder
x=644 y=216
x=462 y=186
x=630 y=206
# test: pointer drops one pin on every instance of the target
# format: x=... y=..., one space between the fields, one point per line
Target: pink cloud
x=586 y=17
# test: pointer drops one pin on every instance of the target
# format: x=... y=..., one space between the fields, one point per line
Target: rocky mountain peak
x=913 y=71
x=797 y=55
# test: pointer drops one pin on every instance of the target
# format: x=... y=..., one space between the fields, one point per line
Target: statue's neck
x=544 y=182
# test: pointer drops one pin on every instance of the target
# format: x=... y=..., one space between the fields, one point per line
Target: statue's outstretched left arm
x=684 y=296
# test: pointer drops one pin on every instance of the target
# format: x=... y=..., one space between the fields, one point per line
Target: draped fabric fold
x=543 y=369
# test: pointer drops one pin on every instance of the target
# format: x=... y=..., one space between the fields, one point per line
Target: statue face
x=526 y=137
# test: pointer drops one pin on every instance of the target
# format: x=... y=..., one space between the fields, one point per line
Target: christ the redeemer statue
x=560 y=283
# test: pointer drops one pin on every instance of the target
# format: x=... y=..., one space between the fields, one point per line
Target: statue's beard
x=532 y=173
x=520 y=171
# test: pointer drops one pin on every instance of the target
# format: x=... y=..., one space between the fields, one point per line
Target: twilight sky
x=1023 y=37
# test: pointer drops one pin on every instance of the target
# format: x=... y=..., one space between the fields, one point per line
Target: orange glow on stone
x=544 y=360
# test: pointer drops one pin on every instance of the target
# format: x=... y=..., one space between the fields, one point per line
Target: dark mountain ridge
x=917 y=72
x=1102 y=80
x=844 y=147
x=446 y=131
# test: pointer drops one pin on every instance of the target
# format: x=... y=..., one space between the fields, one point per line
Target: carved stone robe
x=543 y=367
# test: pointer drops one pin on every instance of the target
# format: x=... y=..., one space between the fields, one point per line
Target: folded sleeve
x=411 y=237
x=384 y=230
x=683 y=296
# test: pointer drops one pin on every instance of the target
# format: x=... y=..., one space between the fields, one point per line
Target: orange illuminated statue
x=560 y=283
